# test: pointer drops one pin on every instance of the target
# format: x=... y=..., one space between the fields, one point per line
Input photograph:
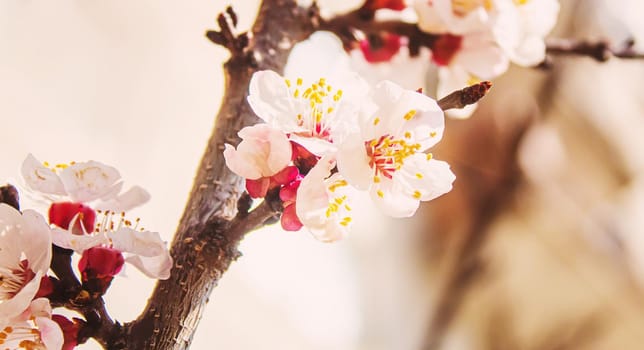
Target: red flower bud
x=289 y=219
x=61 y=214
x=98 y=266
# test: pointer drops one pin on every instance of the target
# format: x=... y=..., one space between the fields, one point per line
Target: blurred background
x=539 y=246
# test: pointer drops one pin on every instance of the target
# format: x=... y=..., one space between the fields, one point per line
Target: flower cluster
x=319 y=146
x=83 y=200
x=472 y=40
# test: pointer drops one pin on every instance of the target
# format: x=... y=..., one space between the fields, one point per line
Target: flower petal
x=40 y=178
x=88 y=181
x=132 y=198
x=393 y=200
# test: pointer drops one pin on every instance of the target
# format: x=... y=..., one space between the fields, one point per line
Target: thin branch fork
x=601 y=50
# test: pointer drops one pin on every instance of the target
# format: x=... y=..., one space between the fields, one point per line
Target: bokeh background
x=540 y=245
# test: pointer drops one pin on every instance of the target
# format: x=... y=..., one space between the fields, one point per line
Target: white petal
x=10 y=235
x=145 y=243
x=353 y=163
x=393 y=200
x=481 y=57
x=132 y=198
x=88 y=181
x=40 y=178
x=431 y=178
x=78 y=243
x=36 y=241
x=157 y=267
x=323 y=204
x=270 y=99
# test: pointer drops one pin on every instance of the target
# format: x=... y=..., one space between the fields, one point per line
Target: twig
x=225 y=35
x=601 y=50
x=467 y=96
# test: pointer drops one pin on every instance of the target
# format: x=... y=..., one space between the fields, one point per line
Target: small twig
x=9 y=195
x=601 y=50
x=225 y=36
x=467 y=96
x=256 y=218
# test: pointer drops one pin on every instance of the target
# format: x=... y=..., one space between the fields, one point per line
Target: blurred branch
x=488 y=183
x=601 y=50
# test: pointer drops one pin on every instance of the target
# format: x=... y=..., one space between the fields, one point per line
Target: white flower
x=387 y=157
x=33 y=329
x=313 y=113
x=263 y=152
x=454 y=16
x=147 y=251
x=25 y=255
x=82 y=182
x=521 y=27
x=323 y=202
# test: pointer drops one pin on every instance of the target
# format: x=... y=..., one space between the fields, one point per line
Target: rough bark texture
x=206 y=243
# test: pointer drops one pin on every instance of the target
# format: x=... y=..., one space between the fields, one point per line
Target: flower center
x=316 y=107
x=26 y=336
x=387 y=154
x=462 y=8
x=13 y=280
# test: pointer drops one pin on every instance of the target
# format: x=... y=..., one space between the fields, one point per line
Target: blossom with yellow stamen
x=388 y=158
x=312 y=113
x=323 y=202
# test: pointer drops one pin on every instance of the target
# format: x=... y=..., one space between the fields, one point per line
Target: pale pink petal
x=50 y=333
x=239 y=165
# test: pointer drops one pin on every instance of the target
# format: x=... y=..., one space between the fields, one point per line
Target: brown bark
x=206 y=241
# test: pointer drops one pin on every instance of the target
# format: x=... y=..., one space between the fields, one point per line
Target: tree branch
x=206 y=240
